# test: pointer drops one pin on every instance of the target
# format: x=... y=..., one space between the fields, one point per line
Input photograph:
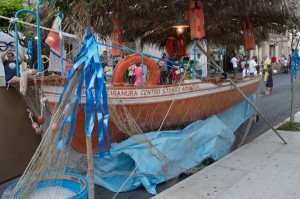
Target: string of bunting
x=92 y=77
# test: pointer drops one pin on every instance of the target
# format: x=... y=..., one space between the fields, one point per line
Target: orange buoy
x=249 y=35
x=38 y=131
x=54 y=126
x=196 y=20
x=41 y=120
x=130 y=60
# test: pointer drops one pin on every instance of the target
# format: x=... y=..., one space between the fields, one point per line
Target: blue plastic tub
x=67 y=181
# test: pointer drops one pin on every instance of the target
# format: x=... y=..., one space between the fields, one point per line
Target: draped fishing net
x=133 y=112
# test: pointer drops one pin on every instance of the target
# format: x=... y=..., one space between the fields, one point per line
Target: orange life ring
x=130 y=60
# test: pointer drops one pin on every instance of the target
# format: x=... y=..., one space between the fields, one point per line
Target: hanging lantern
x=196 y=20
x=116 y=36
x=249 y=35
x=180 y=25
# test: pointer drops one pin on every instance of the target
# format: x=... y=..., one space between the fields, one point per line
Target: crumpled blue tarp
x=165 y=155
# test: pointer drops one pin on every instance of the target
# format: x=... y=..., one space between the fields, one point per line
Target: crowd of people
x=266 y=68
x=171 y=71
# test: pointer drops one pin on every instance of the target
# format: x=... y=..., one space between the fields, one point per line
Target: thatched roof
x=152 y=20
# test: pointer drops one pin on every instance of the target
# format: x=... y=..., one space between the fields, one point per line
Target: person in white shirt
x=252 y=66
x=234 y=65
x=286 y=65
x=198 y=68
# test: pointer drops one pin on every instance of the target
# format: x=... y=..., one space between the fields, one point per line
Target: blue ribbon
x=29 y=51
x=295 y=63
x=93 y=78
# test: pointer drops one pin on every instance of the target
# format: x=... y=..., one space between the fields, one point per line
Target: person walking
x=234 y=62
x=269 y=83
x=267 y=62
x=252 y=66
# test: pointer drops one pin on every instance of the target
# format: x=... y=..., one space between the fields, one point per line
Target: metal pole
x=38 y=34
x=17 y=39
x=61 y=49
x=292 y=116
x=245 y=97
x=293 y=78
x=194 y=63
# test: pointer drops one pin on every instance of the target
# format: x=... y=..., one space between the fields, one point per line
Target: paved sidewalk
x=266 y=168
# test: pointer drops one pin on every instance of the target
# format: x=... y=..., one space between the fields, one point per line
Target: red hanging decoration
x=181 y=45
x=196 y=20
x=176 y=46
x=170 y=46
x=116 y=36
x=249 y=35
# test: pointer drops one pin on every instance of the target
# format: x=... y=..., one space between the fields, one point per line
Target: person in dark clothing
x=170 y=63
x=10 y=63
x=269 y=83
x=163 y=72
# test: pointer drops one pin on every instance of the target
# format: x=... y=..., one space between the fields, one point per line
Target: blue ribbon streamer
x=295 y=63
x=93 y=78
x=29 y=51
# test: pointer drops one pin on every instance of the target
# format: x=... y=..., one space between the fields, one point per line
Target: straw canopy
x=152 y=20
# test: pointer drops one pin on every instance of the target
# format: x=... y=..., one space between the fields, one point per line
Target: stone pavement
x=266 y=168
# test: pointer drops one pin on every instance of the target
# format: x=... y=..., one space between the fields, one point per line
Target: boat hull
x=136 y=110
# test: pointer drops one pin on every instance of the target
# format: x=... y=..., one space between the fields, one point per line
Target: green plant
x=8 y=8
x=289 y=127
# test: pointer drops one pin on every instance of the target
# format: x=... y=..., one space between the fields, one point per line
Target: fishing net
x=135 y=112
x=47 y=160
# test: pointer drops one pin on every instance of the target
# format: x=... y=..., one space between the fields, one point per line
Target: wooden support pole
x=90 y=173
x=251 y=120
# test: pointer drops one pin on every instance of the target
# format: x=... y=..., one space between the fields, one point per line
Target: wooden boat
x=155 y=107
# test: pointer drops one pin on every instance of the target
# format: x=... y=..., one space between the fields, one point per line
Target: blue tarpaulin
x=152 y=158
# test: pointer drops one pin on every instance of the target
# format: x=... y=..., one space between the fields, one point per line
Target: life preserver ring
x=130 y=60
x=249 y=35
x=196 y=20
x=176 y=46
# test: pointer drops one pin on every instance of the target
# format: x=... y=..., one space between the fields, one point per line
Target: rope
x=11 y=20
